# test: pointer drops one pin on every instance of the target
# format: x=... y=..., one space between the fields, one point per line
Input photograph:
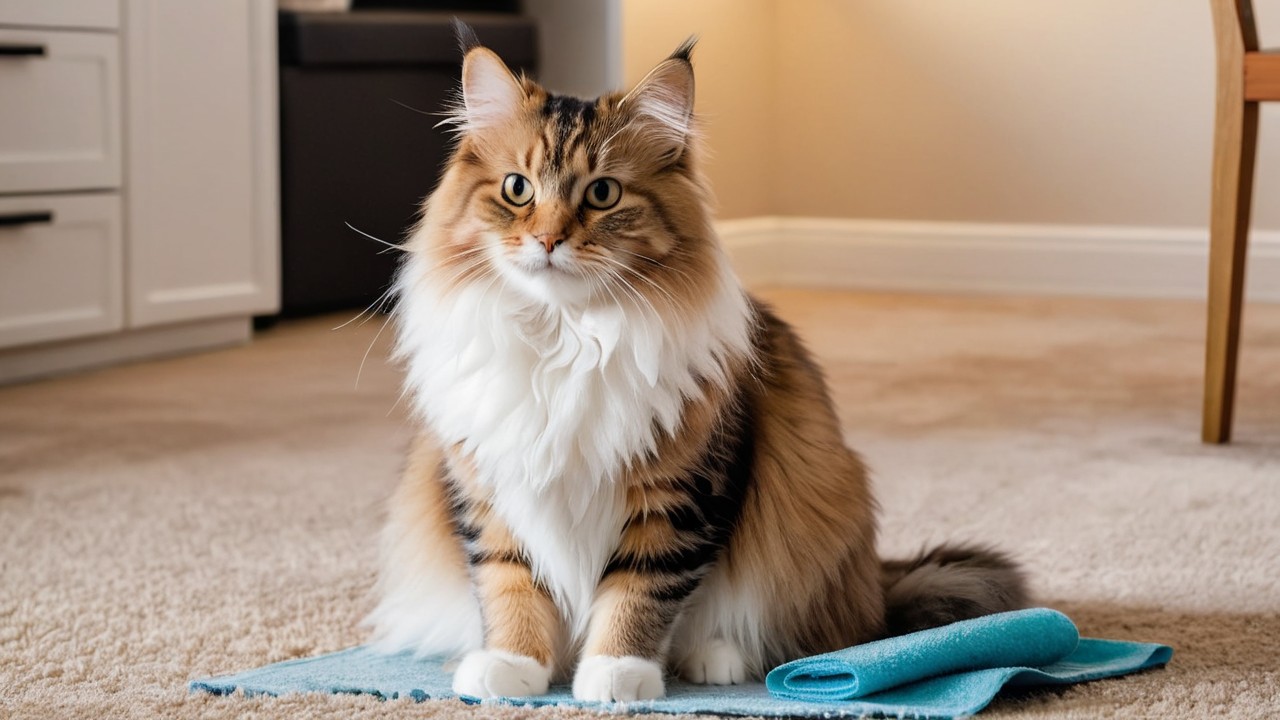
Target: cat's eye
x=517 y=190
x=603 y=194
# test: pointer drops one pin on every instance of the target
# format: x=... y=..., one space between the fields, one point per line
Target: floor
x=205 y=514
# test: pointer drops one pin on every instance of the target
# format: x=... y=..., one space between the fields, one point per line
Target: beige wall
x=578 y=44
x=736 y=86
x=1002 y=111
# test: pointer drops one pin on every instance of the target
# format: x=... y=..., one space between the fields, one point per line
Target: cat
x=627 y=464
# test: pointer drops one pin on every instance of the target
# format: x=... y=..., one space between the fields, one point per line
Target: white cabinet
x=75 y=14
x=61 y=110
x=60 y=267
x=203 y=157
x=138 y=177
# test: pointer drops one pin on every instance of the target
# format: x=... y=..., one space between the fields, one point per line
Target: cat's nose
x=550 y=241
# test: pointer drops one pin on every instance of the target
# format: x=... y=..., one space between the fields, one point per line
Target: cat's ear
x=663 y=101
x=491 y=95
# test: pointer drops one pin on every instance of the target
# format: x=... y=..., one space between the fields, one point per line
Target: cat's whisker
x=477 y=272
x=643 y=303
x=670 y=298
x=462 y=274
x=373 y=342
x=464 y=252
x=466 y=270
x=414 y=109
x=443 y=261
x=600 y=280
x=404 y=390
x=392 y=246
x=362 y=313
x=686 y=282
x=620 y=280
x=484 y=293
x=461 y=254
x=653 y=261
x=387 y=298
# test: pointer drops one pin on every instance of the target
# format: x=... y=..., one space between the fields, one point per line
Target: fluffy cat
x=627 y=465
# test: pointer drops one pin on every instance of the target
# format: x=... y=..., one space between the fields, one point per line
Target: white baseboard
x=997 y=259
x=50 y=359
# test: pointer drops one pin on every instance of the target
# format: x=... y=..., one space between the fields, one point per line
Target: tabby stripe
x=660 y=210
x=466 y=203
x=678 y=561
x=619 y=220
x=501 y=208
x=723 y=509
x=676 y=590
x=459 y=507
x=567 y=114
x=479 y=556
x=686 y=518
x=574 y=142
x=548 y=150
x=566 y=191
x=467 y=531
x=587 y=112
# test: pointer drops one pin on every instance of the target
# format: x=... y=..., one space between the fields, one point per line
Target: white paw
x=495 y=673
x=605 y=678
x=718 y=662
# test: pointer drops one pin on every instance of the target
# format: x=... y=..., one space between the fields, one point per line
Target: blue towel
x=946 y=672
x=1027 y=638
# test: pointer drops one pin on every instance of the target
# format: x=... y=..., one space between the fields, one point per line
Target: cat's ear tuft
x=491 y=95
x=685 y=51
x=466 y=36
x=663 y=101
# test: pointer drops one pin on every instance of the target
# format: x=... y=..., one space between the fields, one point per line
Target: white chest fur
x=552 y=403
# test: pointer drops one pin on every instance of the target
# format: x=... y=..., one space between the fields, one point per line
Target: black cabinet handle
x=26 y=218
x=15 y=50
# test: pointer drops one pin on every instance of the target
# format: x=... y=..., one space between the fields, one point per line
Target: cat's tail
x=947 y=584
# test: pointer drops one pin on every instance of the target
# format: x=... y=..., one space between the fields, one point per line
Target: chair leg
x=1235 y=143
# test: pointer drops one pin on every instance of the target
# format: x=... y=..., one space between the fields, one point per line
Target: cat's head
x=571 y=200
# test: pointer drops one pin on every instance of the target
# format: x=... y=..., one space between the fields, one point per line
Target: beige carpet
x=207 y=514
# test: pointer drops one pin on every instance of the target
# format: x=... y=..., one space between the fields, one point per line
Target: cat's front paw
x=496 y=673
x=718 y=662
x=605 y=678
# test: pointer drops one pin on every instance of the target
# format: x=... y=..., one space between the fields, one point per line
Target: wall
x=736 y=86
x=578 y=44
x=1091 y=112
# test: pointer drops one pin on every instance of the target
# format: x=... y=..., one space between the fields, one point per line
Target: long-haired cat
x=627 y=465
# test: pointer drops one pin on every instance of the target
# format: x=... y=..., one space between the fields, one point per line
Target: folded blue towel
x=941 y=673
x=1026 y=638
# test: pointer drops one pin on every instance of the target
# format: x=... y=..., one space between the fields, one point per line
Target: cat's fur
x=627 y=464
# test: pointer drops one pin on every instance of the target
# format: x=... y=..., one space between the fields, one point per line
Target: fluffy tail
x=949 y=583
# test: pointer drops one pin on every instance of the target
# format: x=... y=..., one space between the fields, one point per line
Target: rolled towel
x=1023 y=638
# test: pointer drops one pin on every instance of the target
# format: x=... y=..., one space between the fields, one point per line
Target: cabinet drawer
x=60 y=118
x=60 y=267
x=95 y=14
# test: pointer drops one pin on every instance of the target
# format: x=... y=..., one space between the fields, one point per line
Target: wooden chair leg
x=1235 y=143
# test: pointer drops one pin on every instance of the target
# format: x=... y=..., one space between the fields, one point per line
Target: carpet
x=194 y=516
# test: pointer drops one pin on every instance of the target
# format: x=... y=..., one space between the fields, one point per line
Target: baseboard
x=998 y=259
x=50 y=359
